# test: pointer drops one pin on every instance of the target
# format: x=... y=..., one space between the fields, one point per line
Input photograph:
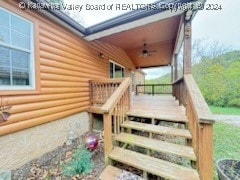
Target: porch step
x=157 y=145
x=163 y=117
x=153 y=165
x=112 y=173
x=157 y=129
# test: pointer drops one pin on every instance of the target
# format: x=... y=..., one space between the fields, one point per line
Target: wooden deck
x=122 y=118
x=165 y=105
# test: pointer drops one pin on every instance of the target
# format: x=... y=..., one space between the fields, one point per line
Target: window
x=16 y=52
x=116 y=70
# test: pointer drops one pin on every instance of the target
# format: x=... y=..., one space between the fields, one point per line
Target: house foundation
x=18 y=148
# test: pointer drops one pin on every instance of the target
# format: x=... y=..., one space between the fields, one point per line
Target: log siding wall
x=65 y=63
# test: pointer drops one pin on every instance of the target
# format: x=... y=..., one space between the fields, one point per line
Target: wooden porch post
x=107 y=126
x=175 y=67
x=187 y=56
x=172 y=75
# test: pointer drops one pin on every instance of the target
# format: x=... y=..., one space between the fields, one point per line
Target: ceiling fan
x=145 y=52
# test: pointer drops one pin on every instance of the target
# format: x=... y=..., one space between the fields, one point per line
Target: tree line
x=216 y=69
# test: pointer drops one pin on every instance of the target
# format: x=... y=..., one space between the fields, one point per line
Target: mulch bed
x=49 y=165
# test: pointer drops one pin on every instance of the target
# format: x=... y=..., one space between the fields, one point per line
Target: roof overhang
x=161 y=29
x=163 y=5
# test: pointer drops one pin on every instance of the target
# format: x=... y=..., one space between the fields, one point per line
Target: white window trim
x=32 y=80
x=114 y=63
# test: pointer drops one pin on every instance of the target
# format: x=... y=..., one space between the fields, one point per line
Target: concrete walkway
x=230 y=119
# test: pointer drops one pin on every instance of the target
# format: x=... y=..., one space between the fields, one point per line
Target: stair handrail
x=114 y=111
x=200 y=105
x=200 y=125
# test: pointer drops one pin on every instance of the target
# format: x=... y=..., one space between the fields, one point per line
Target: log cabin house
x=54 y=74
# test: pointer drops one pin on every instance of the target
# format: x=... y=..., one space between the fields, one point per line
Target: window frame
x=114 y=63
x=32 y=71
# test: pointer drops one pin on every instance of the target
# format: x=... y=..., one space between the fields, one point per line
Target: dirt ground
x=49 y=166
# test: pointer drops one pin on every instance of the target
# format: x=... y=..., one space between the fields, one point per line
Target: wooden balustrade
x=115 y=113
x=179 y=91
x=200 y=123
x=102 y=89
x=153 y=89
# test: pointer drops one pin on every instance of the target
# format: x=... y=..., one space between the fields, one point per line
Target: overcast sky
x=222 y=25
x=213 y=25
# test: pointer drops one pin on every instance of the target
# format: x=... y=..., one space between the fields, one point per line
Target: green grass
x=225 y=110
x=226 y=142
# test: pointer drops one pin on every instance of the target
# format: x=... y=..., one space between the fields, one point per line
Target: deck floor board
x=164 y=105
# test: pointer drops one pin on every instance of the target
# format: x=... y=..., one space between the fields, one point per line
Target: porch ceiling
x=160 y=36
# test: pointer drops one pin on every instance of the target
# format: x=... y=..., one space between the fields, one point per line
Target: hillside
x=165 y=79
x=218 y=78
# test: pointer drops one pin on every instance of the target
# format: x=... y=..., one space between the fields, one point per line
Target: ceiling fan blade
x=145 y=52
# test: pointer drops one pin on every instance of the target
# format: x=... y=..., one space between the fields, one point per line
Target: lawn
x=226 y=142
x=225 y=110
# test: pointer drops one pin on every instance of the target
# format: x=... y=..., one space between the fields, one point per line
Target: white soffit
x=141 y=22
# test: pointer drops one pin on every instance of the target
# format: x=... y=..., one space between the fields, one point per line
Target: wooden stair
x=111 y=172
x=157 y=145
x=153 y=165
x=146 y=162
x=163 y=117
x=157 y=129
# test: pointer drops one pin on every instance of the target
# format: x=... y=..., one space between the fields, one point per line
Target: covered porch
x=152 y=42
x=121 y=113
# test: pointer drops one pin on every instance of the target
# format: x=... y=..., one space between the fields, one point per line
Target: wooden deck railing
x=114 y=113
x=179 y=91
x=200 y=123
x=102 y=89
x=153 y=89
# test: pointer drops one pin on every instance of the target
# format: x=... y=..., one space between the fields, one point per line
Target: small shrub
x=80 y=163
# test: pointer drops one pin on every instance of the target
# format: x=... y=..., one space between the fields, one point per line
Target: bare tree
x=76 y=16
x=71 y=13
x=205 y=49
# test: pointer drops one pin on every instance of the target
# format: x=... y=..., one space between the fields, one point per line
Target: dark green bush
x=80 y=163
